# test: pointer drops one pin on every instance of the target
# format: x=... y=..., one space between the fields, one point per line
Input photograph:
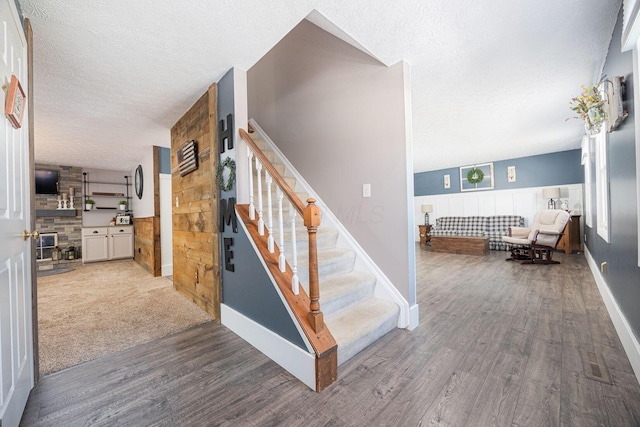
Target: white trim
x=413 y=313
x=292 y=358
x=636 y=95
x=631 y=25
x=627 y=337
x=414 y=317
x=240 y=118
x=602 y=183
x=166 y=215
x=384 y=288
x=275 y=286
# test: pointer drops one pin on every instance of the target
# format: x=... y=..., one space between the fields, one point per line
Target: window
x=602 y=183
x=587 y=155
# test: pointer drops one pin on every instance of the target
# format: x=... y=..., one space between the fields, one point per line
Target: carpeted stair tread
x=325 y=239
x=331 y=262
x=344 y=290
x=357 y=327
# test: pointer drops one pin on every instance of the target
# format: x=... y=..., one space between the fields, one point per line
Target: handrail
x=291 y=195
x=311 y=216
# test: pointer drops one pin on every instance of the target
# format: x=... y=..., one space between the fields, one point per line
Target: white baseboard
x=167 y=270
x=292 y=358
x=414 y=317
x=627 y=337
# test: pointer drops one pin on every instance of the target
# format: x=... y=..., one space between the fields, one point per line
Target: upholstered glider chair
x=535 y=244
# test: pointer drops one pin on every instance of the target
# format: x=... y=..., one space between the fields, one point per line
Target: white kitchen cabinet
x=95 y=244
x=121 y=242
x=107 y=243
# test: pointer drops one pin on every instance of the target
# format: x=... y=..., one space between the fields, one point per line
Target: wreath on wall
x=227 y=163
x=475 y=176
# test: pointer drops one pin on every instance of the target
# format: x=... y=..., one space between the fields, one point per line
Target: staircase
x=353 y=315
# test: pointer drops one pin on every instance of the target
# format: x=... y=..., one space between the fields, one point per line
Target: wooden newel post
x=311 y=215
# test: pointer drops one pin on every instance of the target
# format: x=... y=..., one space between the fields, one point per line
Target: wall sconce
x=447 y=181
x=427 y=209
x=551 y=193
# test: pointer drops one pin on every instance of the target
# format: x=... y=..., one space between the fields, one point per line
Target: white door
x=16 y=346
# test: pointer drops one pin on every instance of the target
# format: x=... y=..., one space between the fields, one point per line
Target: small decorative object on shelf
x=122 y=205
x=88 y=204
x=123 y=219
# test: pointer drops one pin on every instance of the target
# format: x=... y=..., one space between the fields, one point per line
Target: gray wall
x=559 y=168
x=621 y=254
x=165 y=160
x=248 y=289
x=338 y=115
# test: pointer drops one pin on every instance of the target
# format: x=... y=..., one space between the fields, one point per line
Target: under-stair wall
x=252 y=305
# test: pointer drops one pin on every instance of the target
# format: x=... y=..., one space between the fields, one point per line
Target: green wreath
x=475 y=176
x=231 y=164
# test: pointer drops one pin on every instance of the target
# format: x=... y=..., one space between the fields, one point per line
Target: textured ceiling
x=490 y=80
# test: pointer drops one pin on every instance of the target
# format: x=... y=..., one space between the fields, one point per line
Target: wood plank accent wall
x=144 y=243
x=196 y=240
x=147 y=251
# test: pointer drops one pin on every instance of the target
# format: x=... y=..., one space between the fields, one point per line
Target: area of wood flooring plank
x=498 y=344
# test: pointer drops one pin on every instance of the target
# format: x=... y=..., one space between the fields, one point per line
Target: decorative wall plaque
x=188 y=158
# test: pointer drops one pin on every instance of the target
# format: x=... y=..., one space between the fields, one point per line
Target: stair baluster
x=260 y=218
x=252 y=208
x=295 y=286
x=281 y=257
x=270 y=242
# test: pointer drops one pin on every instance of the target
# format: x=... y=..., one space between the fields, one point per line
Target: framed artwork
x=476 y=177
x=15 y=103
x=123 y=219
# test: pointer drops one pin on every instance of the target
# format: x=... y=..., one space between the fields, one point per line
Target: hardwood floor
x=499 y=343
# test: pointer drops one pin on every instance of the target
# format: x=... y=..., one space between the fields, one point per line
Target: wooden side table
x=425 y=234
x=570 y=239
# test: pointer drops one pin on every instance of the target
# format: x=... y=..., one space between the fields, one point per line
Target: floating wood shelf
x=56 y=212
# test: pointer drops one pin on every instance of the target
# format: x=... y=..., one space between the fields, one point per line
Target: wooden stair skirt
x=323 y=343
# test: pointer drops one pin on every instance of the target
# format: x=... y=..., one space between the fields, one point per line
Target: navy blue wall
x=248 y=289
x=559 y=168
x=621 y=254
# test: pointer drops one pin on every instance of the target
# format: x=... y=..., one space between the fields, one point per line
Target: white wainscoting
x=522 y=201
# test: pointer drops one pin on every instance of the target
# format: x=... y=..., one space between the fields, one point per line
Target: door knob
x=34 y=235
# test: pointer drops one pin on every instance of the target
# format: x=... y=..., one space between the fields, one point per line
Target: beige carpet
x=105 y=307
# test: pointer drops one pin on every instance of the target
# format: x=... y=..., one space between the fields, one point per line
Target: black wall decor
x=228 y=214
x=188 y=158
x=226 y=133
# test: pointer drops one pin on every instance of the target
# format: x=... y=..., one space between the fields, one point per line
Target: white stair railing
x=310 y=214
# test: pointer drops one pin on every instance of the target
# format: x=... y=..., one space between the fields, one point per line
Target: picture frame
x=477 y=177
x=123 y=219
x=15 y=103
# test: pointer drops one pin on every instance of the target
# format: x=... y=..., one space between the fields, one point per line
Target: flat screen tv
x=46 y=182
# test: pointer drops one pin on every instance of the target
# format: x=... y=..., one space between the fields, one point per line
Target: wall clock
x=138 y=181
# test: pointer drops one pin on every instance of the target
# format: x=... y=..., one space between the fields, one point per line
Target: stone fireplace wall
x=66 y=223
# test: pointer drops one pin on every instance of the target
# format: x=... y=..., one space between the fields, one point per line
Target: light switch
x=511 y=173
x=366 y=190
